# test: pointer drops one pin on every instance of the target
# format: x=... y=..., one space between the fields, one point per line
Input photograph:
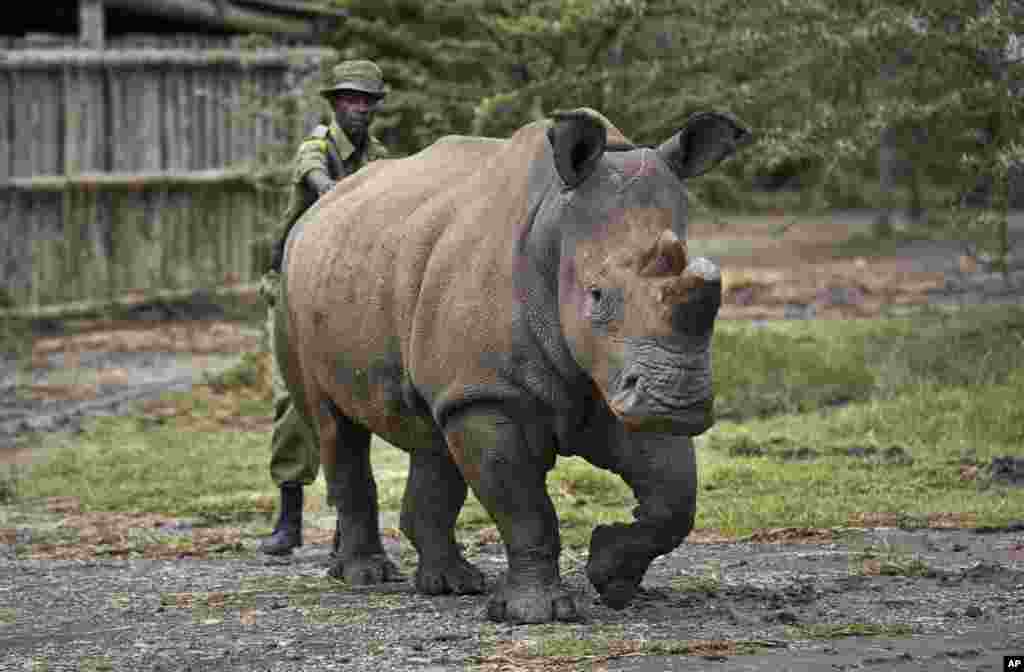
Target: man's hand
x=269 y=286
x=319 y=181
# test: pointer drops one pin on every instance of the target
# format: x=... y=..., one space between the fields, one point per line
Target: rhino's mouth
x=642 y=404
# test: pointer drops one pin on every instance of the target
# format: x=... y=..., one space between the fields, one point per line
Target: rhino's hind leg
x=434 y=494
x=361 y=559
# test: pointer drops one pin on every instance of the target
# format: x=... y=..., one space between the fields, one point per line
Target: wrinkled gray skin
x=602 y=350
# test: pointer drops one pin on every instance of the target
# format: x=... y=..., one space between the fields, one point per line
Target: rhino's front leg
x=505 y=463
x=662 y=471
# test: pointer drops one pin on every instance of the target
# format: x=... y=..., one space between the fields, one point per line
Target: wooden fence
x=139 y=170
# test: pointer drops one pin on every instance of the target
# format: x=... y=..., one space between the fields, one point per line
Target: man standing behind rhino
x=329 y=154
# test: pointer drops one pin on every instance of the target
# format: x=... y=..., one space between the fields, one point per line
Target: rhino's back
x=356 y=273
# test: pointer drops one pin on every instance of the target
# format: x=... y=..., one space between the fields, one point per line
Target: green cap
x=364 y=76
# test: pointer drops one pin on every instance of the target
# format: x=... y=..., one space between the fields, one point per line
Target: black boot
x=336 y=543
x=288 y=530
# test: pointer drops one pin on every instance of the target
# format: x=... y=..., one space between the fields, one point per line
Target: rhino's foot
x=617 y=563
x=365 y=570
x=533 y=604
x=458 y=576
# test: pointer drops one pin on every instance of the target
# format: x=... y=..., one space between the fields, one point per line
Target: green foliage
x=818 y=80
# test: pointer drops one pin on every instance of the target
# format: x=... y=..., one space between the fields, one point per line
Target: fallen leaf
x=968 y=472
x=247 y=616
x=64 y=504
x=872 y=567
x=953 y=520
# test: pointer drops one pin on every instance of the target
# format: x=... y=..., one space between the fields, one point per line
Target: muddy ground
x=882 y=598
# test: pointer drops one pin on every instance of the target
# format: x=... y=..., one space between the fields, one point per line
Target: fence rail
x=131 y=170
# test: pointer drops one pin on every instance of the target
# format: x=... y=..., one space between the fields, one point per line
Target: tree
x=819 y=81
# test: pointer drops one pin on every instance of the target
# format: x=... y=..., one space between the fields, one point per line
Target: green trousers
x=294 y=454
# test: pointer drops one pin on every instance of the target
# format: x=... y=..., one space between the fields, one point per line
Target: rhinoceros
x=488 y=305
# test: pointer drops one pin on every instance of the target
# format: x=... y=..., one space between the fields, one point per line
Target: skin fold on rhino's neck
x=537 y=260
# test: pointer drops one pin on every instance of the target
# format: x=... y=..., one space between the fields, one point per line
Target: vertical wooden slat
x=6 y=111
x=183 y=124
x=49 y=253
x=175 y=138
x=92 y=28
x=149 y=109
x=50 y=94
x=12 y=238
x=225 y=124
x=91 y=224
x=199 y=114
x=98 y=132
x=84 y=120
x=33 y=141
x=29 y=215
x=183 y=231
x=218 y=126
x=135 y=100
x=76 y=232
x=117 y=138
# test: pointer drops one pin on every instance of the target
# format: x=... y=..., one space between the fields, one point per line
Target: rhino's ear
x=707 y=139
x=578 y=140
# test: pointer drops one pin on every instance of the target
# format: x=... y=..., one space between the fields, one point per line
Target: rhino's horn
x=706 y=139
x=578 y=140
x=666 y=257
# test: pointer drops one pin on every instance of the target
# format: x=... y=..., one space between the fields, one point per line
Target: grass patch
x=840 y=630
x=293 y=585
x=708 y=584
x=792 y=367
x=785 y=368
x=125 y=464
x=867 y=244
x=545 y=647
x=888 y=564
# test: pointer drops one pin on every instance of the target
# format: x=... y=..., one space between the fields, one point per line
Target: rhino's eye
x=598 y=305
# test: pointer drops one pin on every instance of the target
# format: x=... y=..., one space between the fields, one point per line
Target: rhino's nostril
x=630 y=381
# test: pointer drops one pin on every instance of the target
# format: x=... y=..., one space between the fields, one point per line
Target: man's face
x=353 y=111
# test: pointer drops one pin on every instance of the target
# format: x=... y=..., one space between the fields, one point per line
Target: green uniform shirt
x=329 y=149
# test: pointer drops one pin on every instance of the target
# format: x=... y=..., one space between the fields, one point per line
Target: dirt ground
x=882 y=598
x=150 y=592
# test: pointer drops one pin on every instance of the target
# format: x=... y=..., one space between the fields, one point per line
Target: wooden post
x=91 y=28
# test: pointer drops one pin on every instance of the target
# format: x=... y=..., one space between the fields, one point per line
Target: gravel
x=250 y=613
